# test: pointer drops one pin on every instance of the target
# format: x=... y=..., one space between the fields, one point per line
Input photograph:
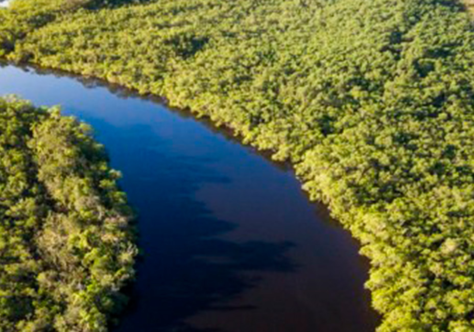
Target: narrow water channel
x=231 y=243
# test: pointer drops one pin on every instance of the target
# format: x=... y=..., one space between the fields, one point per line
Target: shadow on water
x=187 y=267
x=190 y=271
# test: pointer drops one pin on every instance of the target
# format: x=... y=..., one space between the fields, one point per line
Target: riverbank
x=369 y=100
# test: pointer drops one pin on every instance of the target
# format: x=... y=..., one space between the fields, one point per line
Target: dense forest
x=66 y=239
x=371 y=100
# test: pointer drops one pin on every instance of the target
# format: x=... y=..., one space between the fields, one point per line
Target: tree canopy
x=66 y=242
x=371 y=100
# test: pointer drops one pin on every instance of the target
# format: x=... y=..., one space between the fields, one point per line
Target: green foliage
x=66 y=244
x=372 y=101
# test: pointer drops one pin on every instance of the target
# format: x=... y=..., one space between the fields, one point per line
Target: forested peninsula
x=372 y=101
x=66 y=237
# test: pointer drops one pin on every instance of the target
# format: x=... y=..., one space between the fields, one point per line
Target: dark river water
x=231 y=243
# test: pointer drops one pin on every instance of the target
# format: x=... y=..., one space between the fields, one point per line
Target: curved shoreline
x=186 y=114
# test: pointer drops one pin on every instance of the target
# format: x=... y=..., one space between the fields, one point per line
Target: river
x=231 y=243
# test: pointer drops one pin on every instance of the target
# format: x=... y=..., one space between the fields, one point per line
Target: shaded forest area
x=66 y=238
x=371 y=100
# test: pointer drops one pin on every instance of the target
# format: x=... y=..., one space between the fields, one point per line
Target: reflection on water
x=231 y=243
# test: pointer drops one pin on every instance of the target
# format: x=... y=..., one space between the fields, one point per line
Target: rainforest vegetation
x=66 y=241
x=371 y=100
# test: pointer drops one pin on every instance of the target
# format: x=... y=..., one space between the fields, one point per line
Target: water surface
x=231 y=242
